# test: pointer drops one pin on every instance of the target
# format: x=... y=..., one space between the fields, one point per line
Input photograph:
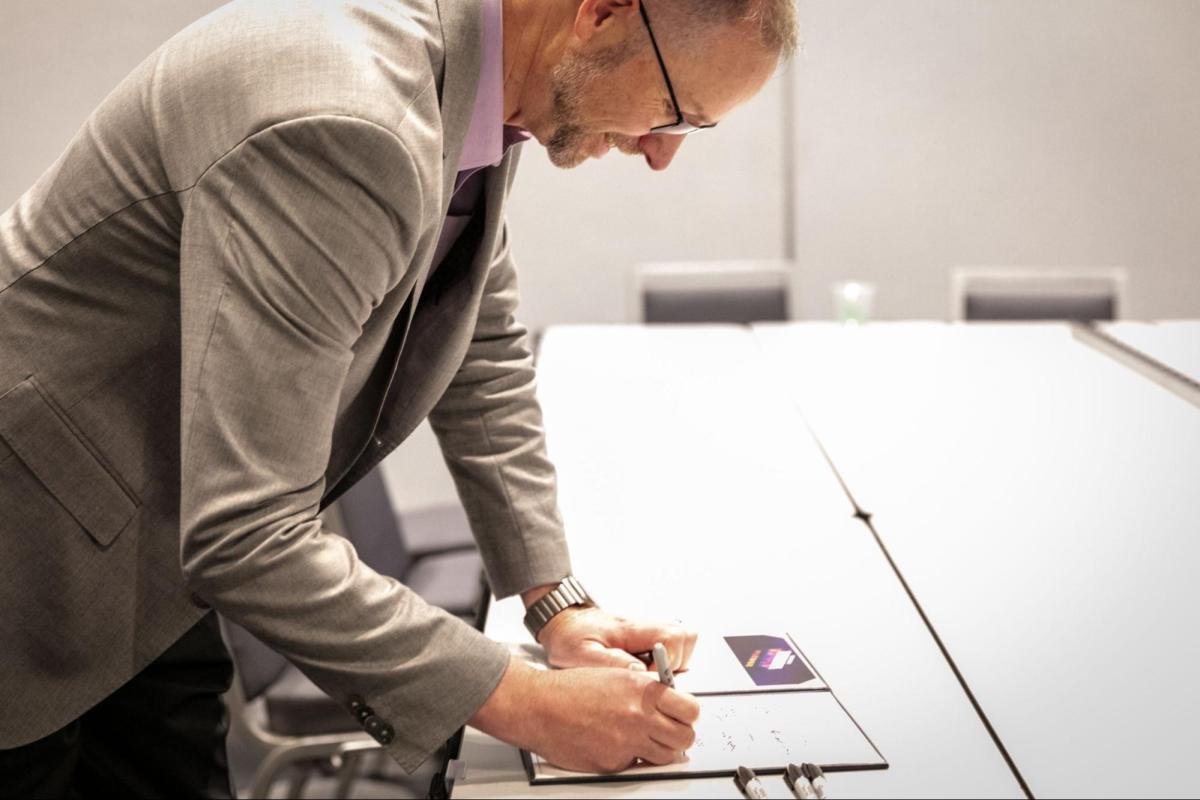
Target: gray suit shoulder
x=248 y=66
x=253 y=64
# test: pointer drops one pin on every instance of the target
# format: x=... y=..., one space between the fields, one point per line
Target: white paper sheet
x=764 y=731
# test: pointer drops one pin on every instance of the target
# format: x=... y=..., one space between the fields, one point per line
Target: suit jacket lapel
x=462 y=33
x=462 y=29
x=440 y=330
x=444 y=323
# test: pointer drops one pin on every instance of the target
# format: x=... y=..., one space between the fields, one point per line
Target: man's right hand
x=589 y=719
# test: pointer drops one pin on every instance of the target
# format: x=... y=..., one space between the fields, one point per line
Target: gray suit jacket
x=214 y=318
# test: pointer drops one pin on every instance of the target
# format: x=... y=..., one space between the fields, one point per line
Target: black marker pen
x=749 y=783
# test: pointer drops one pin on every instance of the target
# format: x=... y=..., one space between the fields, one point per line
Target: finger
x=672 y=733
x=596 y=655
x=633 y=762
x=675 y=640
x=689 y=647
x=678 y=646
x=640 y=637
x=679 y=706
x=658 y=753
x=679 y=643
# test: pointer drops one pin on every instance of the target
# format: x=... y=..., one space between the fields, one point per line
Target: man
x=269 y=254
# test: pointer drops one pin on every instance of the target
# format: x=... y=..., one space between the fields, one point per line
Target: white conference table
x=1175 y=343
x=691 y=490
x=1043 y=502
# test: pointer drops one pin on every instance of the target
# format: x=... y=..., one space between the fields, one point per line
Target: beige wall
x=577 y=234
x=1024 y=132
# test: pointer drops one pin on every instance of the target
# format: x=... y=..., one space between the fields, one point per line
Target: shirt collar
x=488 y=137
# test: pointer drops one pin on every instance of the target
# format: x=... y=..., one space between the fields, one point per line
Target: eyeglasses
x=680 y=126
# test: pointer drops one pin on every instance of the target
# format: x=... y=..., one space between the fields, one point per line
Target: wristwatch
x=568 y=593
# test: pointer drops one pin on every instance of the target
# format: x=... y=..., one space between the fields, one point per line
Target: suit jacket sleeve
x=289 y=241
x=489 y=426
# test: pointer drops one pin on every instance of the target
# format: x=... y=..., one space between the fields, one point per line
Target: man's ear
x=596 y=15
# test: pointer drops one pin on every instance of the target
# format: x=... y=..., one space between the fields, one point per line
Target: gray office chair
x=426 y=551
x=991 y=294
x=436 y=529
x=705 y=292
x=297 y=724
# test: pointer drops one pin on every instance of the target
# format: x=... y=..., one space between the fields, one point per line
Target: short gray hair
x=776 y=20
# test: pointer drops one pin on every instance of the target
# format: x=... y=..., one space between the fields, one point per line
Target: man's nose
x=659 y=149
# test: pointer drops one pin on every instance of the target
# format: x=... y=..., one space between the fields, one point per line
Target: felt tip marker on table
x=749 y=783
x=808 y=777
x=663 y=664
x=799 y=783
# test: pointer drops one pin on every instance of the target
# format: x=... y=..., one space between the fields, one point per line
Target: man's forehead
x=717 y=83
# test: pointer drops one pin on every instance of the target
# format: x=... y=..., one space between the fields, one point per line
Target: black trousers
x=162 y=734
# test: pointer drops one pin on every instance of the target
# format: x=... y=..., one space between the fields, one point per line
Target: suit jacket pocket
x=59 y=456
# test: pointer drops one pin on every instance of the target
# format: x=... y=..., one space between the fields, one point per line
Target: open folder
x=762 y=705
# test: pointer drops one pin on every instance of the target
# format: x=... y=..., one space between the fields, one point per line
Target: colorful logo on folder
x=769 y=660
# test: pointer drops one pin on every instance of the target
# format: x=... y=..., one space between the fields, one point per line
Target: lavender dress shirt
x=488 y=138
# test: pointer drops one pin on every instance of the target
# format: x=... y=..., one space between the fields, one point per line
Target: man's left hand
x=591 y=637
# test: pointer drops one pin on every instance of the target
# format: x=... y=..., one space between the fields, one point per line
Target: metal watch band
x=569 y=592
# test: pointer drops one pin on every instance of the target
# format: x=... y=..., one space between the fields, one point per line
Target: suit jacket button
x=379 y=730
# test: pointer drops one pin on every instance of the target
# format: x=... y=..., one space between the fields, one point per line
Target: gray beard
x=568 y=82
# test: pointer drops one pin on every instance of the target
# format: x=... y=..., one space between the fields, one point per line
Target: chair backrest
x=373 y=526
x=724 y=292
x=1000 y=294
